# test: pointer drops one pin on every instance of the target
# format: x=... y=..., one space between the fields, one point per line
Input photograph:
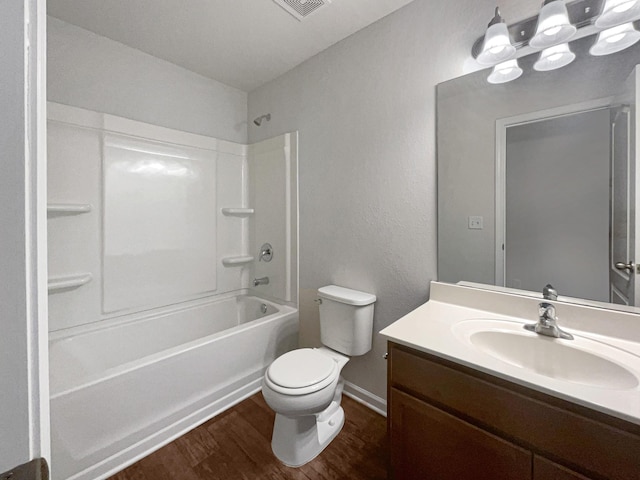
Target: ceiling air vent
x=301 y=9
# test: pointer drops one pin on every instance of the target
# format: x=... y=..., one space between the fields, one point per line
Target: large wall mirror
x=537 y=178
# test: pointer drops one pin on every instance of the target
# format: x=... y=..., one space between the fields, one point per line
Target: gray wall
x=93 y=72
x=14 y=371
x=365 y=110
x=557 y=205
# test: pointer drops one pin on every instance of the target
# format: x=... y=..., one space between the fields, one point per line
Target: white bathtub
x=120 y=392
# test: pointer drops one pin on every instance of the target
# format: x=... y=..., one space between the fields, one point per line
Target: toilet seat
x=301 y=371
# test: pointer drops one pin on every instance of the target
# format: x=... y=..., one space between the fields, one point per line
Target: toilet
x=304 y=386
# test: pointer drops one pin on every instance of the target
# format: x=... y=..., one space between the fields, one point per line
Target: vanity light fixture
x=553 y=25
x=554 y=57
x=615 y=40
x=558 y=23
x=497 y=46
x=616 y=12
x=505 y=72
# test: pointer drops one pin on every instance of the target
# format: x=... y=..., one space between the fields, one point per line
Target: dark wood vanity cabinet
x=544 y=469
x=450 y=422
x=429 y=443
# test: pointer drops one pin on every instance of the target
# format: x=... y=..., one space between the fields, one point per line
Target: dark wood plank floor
x=237 y=445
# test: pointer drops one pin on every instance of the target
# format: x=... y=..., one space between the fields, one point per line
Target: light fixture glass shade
x=554 y=57
x=615 y=39
x=505 y=72
x=497 y=45
x=616 y=12
x=553 y=25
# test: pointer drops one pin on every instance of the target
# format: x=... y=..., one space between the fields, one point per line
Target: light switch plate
x=476 y=223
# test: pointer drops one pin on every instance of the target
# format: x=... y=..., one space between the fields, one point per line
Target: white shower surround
x=128 y=379
x=120 y=391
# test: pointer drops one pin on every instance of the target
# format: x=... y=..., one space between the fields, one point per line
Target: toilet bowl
x=304 y=386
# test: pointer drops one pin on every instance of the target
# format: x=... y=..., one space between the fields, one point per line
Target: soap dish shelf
x=68 y=281
x=68 y=208
x=237 y=261
x=238 y=212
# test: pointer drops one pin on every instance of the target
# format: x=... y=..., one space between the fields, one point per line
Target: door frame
x=501 y=162
x=37 y=235
x=25 y=336
x=623 y=275
x=629 y=98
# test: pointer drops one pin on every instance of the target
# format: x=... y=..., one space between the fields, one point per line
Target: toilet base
x=299 y=440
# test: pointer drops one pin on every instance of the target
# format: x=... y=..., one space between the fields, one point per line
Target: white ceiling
x=242 y=43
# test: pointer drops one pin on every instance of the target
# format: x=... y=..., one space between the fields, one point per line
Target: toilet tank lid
x=346 y=295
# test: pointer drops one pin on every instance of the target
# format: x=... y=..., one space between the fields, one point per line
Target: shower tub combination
x=119 y=392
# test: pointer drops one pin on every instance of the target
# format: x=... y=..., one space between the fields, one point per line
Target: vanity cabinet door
x=428 y=443
x=544 y=469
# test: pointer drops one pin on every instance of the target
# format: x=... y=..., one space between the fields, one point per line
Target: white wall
x=93 y=72
x=365 y=111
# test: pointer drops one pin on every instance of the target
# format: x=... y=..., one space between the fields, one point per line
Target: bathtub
x=121 y=391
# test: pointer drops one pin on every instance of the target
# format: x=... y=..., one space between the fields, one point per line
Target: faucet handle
x=266 y=253
x=549 y=293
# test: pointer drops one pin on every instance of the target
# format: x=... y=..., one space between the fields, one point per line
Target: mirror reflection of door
x=557 y=204
x=622 y=266
x=566 y=203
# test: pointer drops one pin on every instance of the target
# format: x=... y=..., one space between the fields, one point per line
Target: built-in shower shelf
x=237 y=261
x=68 y=208
x=238 y=212
x=69 y=281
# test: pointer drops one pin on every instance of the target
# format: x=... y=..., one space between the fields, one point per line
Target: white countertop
x=434 y=328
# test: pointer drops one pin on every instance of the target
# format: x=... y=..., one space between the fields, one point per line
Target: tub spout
x=260 y=281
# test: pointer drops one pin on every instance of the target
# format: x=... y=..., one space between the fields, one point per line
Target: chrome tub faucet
x=547 y=319
x=260 y=281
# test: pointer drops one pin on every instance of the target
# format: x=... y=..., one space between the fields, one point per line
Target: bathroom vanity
x=462 y=407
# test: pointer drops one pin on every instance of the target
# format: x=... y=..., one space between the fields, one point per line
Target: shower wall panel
x=159 y=222
x=273 y=167
x=135 y=220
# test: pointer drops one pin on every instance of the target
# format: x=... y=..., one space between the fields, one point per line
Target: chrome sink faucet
x=547 y=319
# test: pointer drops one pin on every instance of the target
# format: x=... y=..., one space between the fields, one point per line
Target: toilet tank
x=346 y=319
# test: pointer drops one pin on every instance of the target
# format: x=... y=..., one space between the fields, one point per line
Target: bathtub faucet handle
x=266 y=253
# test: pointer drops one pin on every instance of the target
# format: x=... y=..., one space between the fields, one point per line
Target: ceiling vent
x=301 y=9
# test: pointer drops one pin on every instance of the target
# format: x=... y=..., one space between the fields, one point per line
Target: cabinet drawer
x=527 y=417
x=428 y=443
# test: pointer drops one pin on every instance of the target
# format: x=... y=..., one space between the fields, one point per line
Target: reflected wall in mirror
x=548 y=162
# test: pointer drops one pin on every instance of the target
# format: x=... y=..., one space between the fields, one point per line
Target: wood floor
x=236 y=445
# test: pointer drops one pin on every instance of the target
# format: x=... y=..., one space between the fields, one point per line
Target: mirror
x=537 y=178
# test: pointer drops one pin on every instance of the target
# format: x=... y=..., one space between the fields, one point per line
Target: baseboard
x=131 y=455
x=366 y=398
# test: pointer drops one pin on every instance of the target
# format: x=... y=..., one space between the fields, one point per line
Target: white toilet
x=304 y=386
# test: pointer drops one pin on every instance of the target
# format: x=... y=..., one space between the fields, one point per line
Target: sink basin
x=581 y=361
